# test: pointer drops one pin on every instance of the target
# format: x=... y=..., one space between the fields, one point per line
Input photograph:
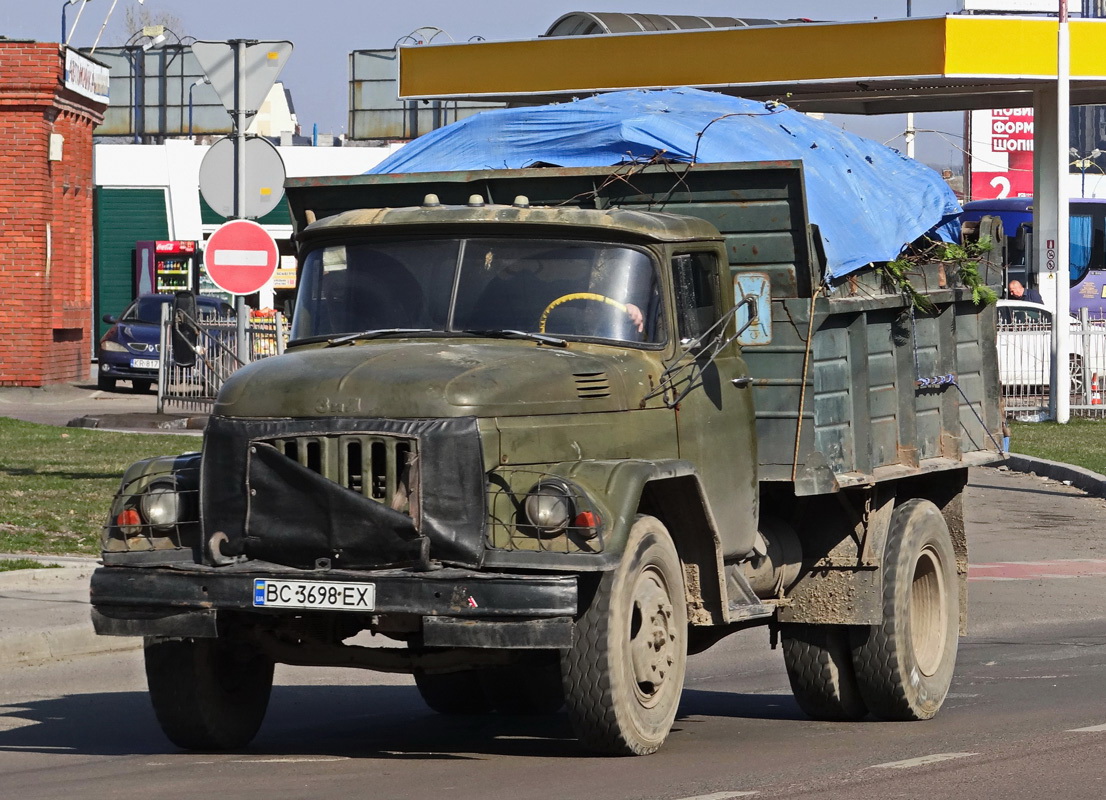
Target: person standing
x=1019 y=292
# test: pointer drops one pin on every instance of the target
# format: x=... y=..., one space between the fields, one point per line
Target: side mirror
x=110 y=319
x=184 y=329
x=753 y=291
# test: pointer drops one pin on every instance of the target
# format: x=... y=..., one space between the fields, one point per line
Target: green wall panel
x=122 y=217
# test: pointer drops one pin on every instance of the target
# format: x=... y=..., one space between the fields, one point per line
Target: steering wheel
x=564 y=298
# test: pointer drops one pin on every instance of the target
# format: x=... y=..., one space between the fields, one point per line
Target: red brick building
x=47 y=113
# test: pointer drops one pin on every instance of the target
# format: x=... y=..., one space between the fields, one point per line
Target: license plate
x=145 y=363
x=312 y=594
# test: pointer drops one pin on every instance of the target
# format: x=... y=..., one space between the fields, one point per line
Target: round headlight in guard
x=161 y=505
x=549 y=507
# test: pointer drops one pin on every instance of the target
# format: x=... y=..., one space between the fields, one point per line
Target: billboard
x=1001 y=147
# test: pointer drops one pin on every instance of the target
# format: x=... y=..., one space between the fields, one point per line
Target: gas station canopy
x=877 y=67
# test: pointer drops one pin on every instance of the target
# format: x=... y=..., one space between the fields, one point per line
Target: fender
x=127 y=539
x=668 y=489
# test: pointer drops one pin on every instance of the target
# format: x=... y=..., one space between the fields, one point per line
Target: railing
x=1025 y=358
x=192 y=389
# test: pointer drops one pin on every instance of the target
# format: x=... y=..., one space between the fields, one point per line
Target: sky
x=324 y=32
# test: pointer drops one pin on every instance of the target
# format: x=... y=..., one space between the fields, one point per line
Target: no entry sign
x=241 y=257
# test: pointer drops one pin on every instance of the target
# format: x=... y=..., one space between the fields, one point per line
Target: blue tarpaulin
x=867 y=200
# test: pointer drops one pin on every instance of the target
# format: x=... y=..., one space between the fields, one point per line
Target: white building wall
x=175 y=166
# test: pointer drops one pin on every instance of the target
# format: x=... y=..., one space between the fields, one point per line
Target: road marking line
x=1091 y=729
x=287 y=760
x=921 y=760
x=720 y=796
x=1037 y=570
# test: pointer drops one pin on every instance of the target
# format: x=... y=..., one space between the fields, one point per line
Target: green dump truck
x=544 y=433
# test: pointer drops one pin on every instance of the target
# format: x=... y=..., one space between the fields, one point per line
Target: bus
x=1088 y=246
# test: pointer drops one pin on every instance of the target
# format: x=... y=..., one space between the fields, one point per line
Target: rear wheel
x=904 y=666
x=531 y=687
x=624 y=674
x=820 y=669
x=460 y=692
x=208 y=694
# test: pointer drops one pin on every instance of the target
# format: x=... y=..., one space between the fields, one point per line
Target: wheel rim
x=929 y=612
x=652 y=637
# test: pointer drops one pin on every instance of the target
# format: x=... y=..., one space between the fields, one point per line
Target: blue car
x=130 y=350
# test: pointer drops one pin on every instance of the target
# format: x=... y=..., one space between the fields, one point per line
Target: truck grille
x=372 y=465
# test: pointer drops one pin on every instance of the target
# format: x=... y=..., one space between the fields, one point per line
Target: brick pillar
x=45 y=218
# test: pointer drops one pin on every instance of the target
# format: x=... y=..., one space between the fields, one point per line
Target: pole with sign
x=241 y=72
x=241 y=257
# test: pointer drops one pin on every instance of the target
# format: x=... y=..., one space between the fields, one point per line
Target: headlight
x=161 y=505
x=112 y=347
x=549 y=507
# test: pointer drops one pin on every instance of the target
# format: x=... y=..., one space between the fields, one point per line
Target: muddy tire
x=208 y=694
x=453 y=693
x=904 y=667
x=820 y=669
x=624 y=674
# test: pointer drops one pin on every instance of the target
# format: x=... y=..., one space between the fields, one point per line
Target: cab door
x=714 y=415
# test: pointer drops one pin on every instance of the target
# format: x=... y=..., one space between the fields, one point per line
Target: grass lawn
x=12 y=564
x=1081 y=442
x=56 y=484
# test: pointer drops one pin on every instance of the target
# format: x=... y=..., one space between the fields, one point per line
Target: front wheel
x=904 y=666
x=208 y=694
x=624 y=674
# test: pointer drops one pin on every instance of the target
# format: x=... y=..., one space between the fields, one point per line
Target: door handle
x=743 y=382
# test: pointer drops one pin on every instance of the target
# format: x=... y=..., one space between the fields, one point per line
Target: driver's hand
x=636 y=317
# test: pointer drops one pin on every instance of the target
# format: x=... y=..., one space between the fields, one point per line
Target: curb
x=1093 y=483
x=139 y=422
x=63 y=570
x=70 y=641
x=25 y=648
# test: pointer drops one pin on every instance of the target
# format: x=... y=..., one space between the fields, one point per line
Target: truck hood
x=445 y=378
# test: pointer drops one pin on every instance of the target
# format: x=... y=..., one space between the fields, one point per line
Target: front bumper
x=459 y=607
x=118 y=365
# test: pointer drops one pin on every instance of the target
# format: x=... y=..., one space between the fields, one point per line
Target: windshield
x=146 y=309
x=567 y=289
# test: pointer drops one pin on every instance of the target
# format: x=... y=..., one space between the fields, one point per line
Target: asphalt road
x=1026 y=717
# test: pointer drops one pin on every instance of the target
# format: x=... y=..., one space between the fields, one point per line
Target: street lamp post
x=200 y=82
x=1084 y=163
x=64 y=27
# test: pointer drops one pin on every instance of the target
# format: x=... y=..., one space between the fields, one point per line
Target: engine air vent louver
x=592 y=385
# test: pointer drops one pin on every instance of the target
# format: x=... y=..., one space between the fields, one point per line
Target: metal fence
x=192 y=389
x=1025 y=358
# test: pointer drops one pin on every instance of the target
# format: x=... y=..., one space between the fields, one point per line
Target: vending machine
x=166 y=267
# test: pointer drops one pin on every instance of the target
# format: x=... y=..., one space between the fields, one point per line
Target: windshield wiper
x=541 y=338
x=373 y=334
